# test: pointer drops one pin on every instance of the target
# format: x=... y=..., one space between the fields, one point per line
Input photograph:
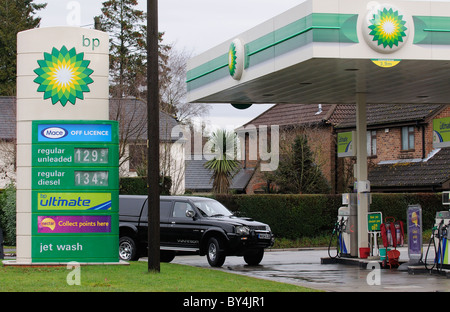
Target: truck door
x=143 y=224
x=185 y=232
x=164 y=212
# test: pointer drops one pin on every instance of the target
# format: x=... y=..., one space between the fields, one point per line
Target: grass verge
x=135 y=278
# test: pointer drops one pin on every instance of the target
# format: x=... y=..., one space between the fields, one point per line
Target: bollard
x=2 y=254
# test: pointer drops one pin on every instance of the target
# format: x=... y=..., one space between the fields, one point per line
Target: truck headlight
x=242 y=230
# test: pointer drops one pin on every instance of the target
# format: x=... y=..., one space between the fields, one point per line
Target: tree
x=15 y=16
x=128 y=61
x=128 y=47
x=297 y=172
x=174 y=89
x=224 y=164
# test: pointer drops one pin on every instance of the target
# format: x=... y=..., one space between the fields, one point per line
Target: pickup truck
x=194 y=225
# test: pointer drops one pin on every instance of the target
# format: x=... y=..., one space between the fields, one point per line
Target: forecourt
x=334 y=51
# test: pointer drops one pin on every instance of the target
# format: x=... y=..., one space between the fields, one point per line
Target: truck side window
x=165 y=207
x=164 y=210
x=179 y=210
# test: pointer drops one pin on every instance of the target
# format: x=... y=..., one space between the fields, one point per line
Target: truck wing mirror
x=190 y=213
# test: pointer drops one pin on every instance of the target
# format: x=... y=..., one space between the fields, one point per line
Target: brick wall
x=389 y=141
x=321 y=141
x=389 y=145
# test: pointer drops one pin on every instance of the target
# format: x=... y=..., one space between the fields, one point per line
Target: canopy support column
x=361 y=169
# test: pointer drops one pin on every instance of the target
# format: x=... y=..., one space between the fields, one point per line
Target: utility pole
x=153 y=136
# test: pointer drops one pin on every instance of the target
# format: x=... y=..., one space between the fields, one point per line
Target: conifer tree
x=15 y=16
x=127 y=28
x=298 y=172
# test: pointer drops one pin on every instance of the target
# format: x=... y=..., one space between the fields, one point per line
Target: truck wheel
x=215 y=254
x=127 y=249
x=255 y=257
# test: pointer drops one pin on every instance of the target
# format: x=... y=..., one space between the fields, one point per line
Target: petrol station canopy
x=327 y=51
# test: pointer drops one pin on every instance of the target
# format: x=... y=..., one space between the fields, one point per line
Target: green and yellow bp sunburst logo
x=236 y=59
x=63 y=76
x=385 y=28
x=388 y=28
x=232 y=59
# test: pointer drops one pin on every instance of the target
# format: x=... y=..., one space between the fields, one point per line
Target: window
x=212 y=208
x=371 y=143
x=164 y=209
x=407 y=138
x=180 y=208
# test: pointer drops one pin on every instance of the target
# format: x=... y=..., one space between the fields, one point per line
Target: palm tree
x=224 y=165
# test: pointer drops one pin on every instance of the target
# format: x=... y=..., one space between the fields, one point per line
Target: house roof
x=132 y=116
x=343 y=115
x=427 y=174
x=130 y=112
x=7 y=117
x=293 y=114
x=383 y=114
x=198 y=178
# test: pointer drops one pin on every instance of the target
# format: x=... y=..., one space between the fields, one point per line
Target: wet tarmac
x=304 y=267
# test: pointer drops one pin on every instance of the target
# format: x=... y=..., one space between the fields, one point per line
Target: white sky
x=191 y=25
x=194 y=26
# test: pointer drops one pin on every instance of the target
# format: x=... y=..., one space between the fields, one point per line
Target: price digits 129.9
x=91 y=155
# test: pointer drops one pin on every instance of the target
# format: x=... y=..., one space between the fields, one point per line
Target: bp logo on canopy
x=386 y=28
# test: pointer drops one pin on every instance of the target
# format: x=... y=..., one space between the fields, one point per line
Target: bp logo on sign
x=386 y=28
x=63 y=76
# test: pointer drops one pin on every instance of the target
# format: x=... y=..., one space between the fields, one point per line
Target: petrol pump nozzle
x=336 y=226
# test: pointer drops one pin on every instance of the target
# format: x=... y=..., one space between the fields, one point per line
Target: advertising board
x=75 y=183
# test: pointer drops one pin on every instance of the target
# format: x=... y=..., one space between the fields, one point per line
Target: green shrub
x=289 y=216
x=138 y=186
x=296 y=216
x=8 y=215
x=396 y=205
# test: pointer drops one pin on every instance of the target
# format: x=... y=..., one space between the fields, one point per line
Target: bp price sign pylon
x=67 y=148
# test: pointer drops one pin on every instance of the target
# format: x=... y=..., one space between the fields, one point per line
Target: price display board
x=75 y=191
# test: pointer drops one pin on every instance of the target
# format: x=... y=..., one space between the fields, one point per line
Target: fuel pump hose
x=336 y=232
x=440 y=232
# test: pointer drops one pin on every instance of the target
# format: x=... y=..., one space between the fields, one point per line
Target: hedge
x=289 y=216
x=8 y=215
x=138 y=185
x=294 y=216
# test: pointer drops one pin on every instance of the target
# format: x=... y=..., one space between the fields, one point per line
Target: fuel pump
x=439 y=237
x=345 y=229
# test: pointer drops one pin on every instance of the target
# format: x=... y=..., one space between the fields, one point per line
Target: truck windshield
x=212 y=208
